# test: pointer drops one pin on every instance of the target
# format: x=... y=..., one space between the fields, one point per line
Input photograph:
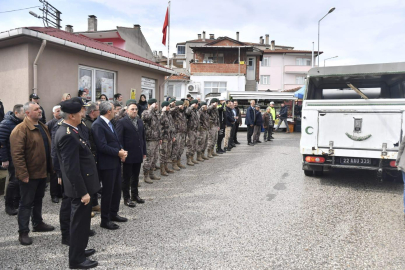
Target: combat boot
x=146 y=177
x=153 y=176
x=162 y=170
x=213 y=153
x=167 y=169
x=209 y=153
x=199 y=157
x=194 y=161
x=190 y=162
x=174 y=165
x=204 y=156
x=180 y=165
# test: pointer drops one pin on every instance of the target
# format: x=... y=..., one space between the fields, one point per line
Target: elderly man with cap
x=80 y=181
x=203 y=132
x=35 y=98
x=168 y=137
x=213 y=128
x=258 y=125
x=180 y=124
x=153 y=140
x=193 y=123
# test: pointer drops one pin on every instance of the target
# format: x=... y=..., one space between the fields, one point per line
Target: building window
x=300 y=80
x=109 y=43
x=265 y=79
x=266 y=62
x=213 y=58
x=214 y=87
x=181 y=49
x=174 y=90
x=96 y=82
x=148 y=87
x=303 y=62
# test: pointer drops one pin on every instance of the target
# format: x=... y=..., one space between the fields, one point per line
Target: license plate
x=360 y=161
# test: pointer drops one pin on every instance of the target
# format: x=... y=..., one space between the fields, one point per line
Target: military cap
x=165 y=103
x=172 y=100
x=80 y=100
x=34 y=96
x=151 y=101
x=179 y=103
x=70 y=106
x=130 y=101
x=203 y=103
x=194 y=101
x=214 y=100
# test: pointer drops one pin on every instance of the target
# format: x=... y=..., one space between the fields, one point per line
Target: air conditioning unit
x=193 y=88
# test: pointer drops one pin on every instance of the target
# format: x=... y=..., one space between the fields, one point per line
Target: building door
x=148 y=87
x=251 y=68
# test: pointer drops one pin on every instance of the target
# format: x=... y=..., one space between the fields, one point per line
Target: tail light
x=310 y=159
x=392 y=163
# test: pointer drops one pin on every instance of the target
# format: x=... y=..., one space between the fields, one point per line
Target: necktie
x=111 y=127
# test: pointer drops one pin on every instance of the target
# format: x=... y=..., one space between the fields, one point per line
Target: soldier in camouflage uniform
x=193 y=123
x=180 y=123
x=203 y=132
x=153 y=140
x=167 y=134
x=214 y=127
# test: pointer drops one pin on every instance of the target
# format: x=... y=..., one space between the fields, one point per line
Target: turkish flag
x=165 y=25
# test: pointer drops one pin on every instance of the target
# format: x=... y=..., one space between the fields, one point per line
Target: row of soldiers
x=176 y=125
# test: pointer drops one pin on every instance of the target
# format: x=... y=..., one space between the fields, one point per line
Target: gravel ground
x=252 y=208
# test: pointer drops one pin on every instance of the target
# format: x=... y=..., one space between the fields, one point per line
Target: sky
x=358 y=32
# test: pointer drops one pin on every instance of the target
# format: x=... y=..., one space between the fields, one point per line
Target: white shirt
x=105 y=120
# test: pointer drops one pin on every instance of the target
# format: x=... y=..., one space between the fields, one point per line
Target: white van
x=353 y=118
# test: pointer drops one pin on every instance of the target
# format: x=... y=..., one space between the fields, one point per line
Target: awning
x=239 y=95
x=300 y=93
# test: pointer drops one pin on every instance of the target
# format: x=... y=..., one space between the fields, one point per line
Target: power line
x=18 y=9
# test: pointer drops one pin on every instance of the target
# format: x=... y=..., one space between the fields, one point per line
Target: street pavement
x=251 y=208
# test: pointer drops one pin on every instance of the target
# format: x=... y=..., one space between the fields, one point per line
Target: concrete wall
x=231 y=82
x=58 y=73
x=117 y=42
x=135 y=42
x=216 y=68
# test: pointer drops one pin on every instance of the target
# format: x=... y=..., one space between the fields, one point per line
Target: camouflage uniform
x=152 y=133
x=180 y=123
x=203 y=132
x=167 y=134
x=192 y=126
x=214 y=125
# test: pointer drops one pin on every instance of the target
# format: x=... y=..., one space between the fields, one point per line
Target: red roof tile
x=89 y=42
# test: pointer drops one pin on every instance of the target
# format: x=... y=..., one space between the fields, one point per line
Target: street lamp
x=324 y=61
x=319 y=24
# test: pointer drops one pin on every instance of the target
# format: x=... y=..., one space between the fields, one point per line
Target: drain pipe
x=36 y=66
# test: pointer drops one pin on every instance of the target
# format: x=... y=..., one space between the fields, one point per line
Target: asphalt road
x=252 y=208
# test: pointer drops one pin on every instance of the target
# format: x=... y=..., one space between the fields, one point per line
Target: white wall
x=231 y=82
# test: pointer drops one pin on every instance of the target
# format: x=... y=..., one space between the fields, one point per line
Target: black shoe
x=65 y=241
x=87 y=264
x=109 y=225
x=11 y=210
x=237 y=142
x=129 y=203
x=258 y=142
x=55 y=199
x=138 y=199
x=269 y=140
x=43 y=227
x=271 y=137
x=228 y=149
x=233 y=145
x=24 y=239
x=89 y=252
x=220 y=151
x=92 y=233
x=118 y=218
x=251 y=144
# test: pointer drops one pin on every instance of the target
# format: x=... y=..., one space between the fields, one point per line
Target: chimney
x=137 y=26
x=160 y=54
x=212 y=36
x=92 y=23
x=69 y=28
x=237 y=36
x=267 y=39
x=203 y=35
x=273 y=45
x=199 y=36
x=261 y=40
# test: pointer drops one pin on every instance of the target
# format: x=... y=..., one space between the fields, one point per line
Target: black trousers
x=231 y=138
x=249 y=133
x=12 y=197
x=32 y=194
x=267 y=132
x=111 y=194
x=79 y=230
x=235 y=136
x=64 y=216
x=130 y=179
x=221 y=136
x=55 y=189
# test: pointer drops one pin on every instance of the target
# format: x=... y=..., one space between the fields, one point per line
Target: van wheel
x=318 y=173
x=308 y=172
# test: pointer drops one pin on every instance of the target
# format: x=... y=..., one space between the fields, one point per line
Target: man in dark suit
x=109 y=157
x=80 y=182
x=131 y=133
x=250 y=121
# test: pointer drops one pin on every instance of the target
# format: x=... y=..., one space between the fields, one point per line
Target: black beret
x=172 y=100
x=165 y=103
x=70 y=106
x=151 y=101
x=203 y=103
x=179 y=103
x=194 y=101
x=80 y=100
x=214 y=100
x=130 y=101
x=34 y=96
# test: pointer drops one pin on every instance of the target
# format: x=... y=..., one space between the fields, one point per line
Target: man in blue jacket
x=283 y=117
x=250 y=121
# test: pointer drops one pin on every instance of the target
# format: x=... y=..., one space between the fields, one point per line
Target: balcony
x=216 y=68
x=297 y=69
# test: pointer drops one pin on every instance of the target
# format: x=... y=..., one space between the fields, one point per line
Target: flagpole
x=168 y=40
